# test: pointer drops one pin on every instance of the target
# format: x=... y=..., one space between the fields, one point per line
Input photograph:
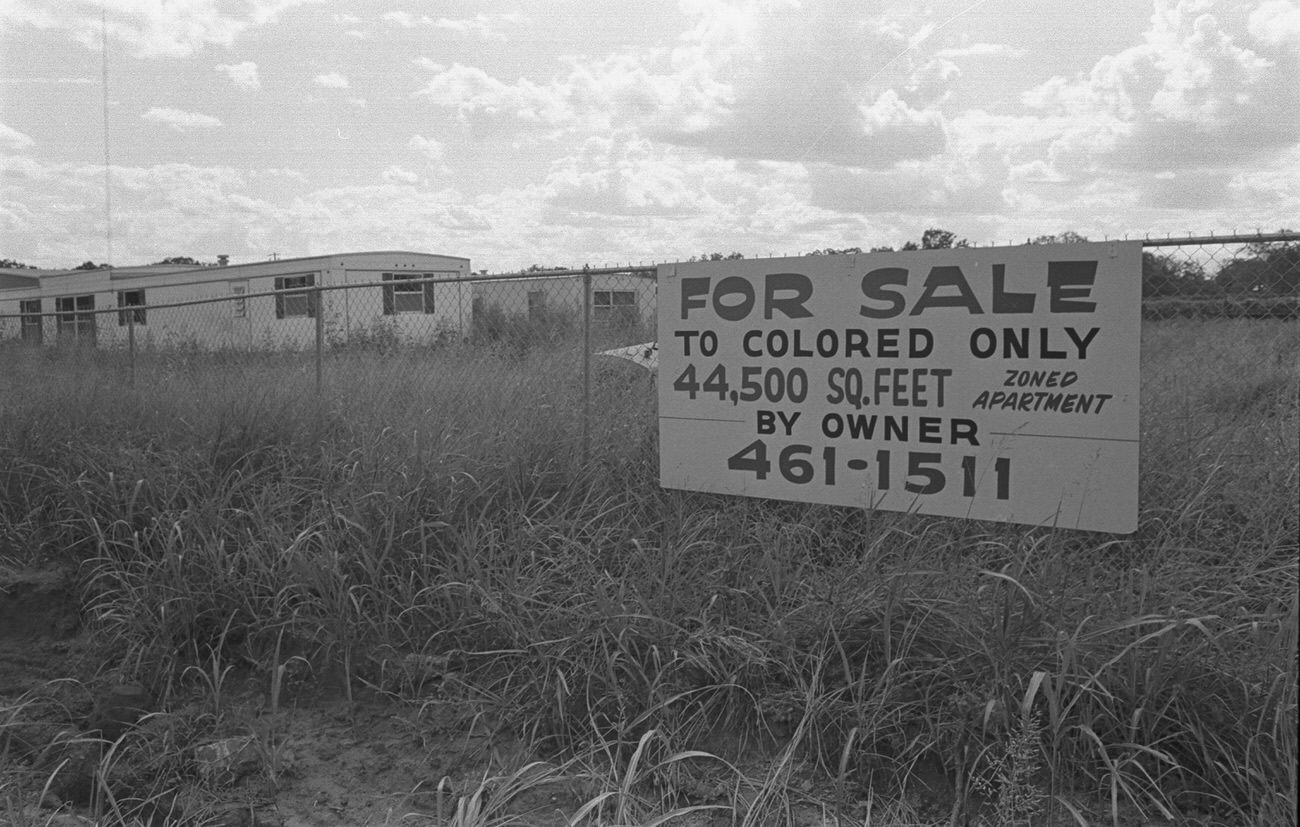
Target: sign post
x=990 y=383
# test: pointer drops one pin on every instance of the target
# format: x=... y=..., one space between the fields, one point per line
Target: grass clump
x=226 y=520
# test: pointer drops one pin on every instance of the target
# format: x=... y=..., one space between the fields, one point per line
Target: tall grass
x=437 y=505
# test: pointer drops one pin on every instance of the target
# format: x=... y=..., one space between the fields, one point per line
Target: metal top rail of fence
x=1202 y=240
x=1225 y=242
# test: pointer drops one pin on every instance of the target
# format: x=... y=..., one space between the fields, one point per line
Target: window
x=402 y=297
x=615 y=306
x=76 y=318
x=130 y=298
x=240 y=303
x=536 y=304
x=294 y=296
x=32 y=327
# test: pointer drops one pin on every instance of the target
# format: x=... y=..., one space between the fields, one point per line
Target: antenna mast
x=108 y=179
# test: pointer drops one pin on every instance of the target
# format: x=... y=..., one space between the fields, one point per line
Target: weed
x=433 y=508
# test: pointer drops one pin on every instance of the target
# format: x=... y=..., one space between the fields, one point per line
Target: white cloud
x=623 y=194
x=166 y=209
x=397 y=175
x=1276 y=22
x=896 y=131
x=170 y=209
x=767 y=126
x=49 y=81
x=1201 y=90
x=765 y=81
x=478 y=97
x=627 y=178
x=244 y=75
x=980 y=50
x=13 y=138
x=354 y=23
x=487 y=26
x=149 y=29
x=795 y=84
x=331 y=80
x=180 y=120
x=433 y=151
x=268 y=11
x=428 y=147
x=383 y=216
x=400 y=18
x=930 y=82
x=1276 y=189
x=964 y=182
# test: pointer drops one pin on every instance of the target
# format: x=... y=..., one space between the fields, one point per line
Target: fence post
x=320 y=340
x=130 y=348
x=586 y=368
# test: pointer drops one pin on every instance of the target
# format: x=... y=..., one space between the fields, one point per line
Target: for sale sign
x=991 y=383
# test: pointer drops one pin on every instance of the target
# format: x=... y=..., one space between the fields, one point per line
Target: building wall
x=516 y=298
x=358 y=315
x=251 y=323
x=247 y=324
x=51 y=287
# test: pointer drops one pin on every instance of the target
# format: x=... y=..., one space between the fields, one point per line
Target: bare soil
x=82 y=745
x=226 y=757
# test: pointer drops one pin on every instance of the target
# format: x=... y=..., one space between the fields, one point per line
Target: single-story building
x=619 y=301
x=263 y=304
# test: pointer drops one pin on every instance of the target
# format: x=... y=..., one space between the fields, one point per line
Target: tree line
x=11 y=264
x=1261 y=269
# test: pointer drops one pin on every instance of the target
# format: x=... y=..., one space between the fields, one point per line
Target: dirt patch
x=39 y=646
x=81 y=744
x=328 y=763
x=37 y=605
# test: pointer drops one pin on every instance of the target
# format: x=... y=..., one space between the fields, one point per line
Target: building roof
x=290 y=263
x=19 y=278
x=137 y=271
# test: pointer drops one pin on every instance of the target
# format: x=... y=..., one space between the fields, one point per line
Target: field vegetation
x=428 y=536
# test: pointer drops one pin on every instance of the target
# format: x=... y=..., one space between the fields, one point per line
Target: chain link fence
x=527 y=341
x=512 y=312
x=1251 y=277
x=523 y=339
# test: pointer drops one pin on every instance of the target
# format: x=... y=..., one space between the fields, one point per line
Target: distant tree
x=1164 y=277
x=90 y=265
x=733 y=256
x=180 y=260
x=1067 y=237
x=831 y=251
x=541 y=268
x=10 y=264
x=1269 y=268
x=938 y=239
x=934 y=238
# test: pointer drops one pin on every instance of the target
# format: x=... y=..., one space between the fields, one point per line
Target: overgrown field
x=878 y=668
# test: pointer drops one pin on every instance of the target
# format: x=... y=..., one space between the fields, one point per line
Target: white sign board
x=990 y=383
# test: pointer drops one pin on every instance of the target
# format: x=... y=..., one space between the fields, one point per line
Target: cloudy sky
x=520 y=132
